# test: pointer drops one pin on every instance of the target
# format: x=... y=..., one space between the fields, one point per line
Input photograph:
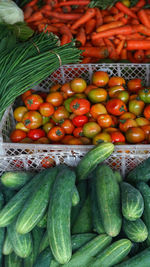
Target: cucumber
x=145 y=191
x=83 y=222
x=15 y=180
x=22 y=244
x=136 y=231
x=37 y=234
x=95 y=156
x=12 y=260
x=15 y=204
x=132 y=202
x=108 y=198
x=54 y=264
x=36 y=205
x=134 y=250
x=59 y=213
x=83 y=256
x=113 y=254
x=2 y=230
x=118 y=176
x=140 y=172
x=43 y=221
x=44 y=242
x=7 y=246
x=44 y=259
x=75 y=197
x=141 y=259
x=8 y=193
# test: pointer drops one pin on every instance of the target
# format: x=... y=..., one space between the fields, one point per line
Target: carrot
x=138 y=45
x=143 y=17
x=36 y=16
x=120 y=47
x=75 y=2
x=140 y=3
x=27 y=12
x=119 y=16
x=63 y=16
x=139 y=55
x=99 y=18
x=111 y=48
x=121 y=37
x=108 y=19
x=115 y=31
x=66 y=9
x=141 y=29
x=45 y=8
x=64 y=30
x=64 y=39
x=47 y=28
x=35 y=8
x=99 y=42
x=90 y=26
x=105 y=12
x=135 y=36
x=88 y=44
x=97 y=52
x=131 y=57
x=116 y=41
x=135 y=21
x=108 y=43
x=147 y=53
x=125 y=20
x=113 y=10
x=86 y=60
x=125 y=9
x=123 y=54
x=32 y=3
x=89 y=14
x=108 y=26
x=81 y=36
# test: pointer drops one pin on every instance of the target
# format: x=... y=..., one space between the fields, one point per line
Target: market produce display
x=114 y=30
x=90 y=229
x=108 y=109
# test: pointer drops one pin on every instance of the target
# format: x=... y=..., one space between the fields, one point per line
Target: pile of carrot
x=117 y=33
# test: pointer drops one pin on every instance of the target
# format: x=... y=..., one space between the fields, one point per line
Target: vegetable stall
x=74 y=133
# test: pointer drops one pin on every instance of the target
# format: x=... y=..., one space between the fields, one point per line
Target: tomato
x=115 y=121
x=60 y=114
x=116 y=80
x=47 y=126
x=100 y=78
x=89 y=88
x=77 y=132
x=42 y=140
x=123 y=96
x=46 y=109
x=110 y=130
x=80 y=95
x=55 y=98
x=35 y=134
x=19 y=113
x=90 y=129
x=80 y=120
x=135 y=135
x=97 y=110
x=104 y=120
x=80 y=106
x=124 y=125
x=116 y=107
x=144 y=95
x=56 y=133
x=66 y=138
x=55 y=87
x=20 y=126
x=33 y=102
x=101 y=137
x=127 y=115
x=43 y=95
x=133 y=96
x=117 y=137
x=136 y=106
x=72 y=115
x=27 y=93
x=141 y=121
x=32 y=119
x=97 y=95
x=17 y=135
x=78 y=85
x=67 y=103
x=48 y=162
x=115 y=89
x=135 y=85
x=74 y=141
x=147 y=112
x=68 y=126
x=146 y=129
x=66 y=90
x=26 y=140
x=85 y=140
x=45 y=119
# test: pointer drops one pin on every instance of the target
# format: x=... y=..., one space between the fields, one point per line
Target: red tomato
x=104 y=120
x=66 y=90
x=17 y=135
x=42 y=140
x=80 y=106
x=74 y=141
x=55 y=98
x=78 y=85
x=147 y=112
x=33 y=102
x=135 y=135
x=48 y=162
x=68 y=126
x=89 y=88
x=35 y=134
x=116 y=107
x=56 y=133
x=60 y=114
x=146 y=129
x=90 y=129
x=113 y=81
x=32 y=120
x=97 y=110
x=46 y=109
x=19 y=113
x=114 y=121
x=27 y=93
x=124 y=125
x=100 y=78
x=112 y=91
x=78 y=132
x=66 y=139
x=117 y=136
x=135 y=85
x=127 y=115
x=55 y=87
x=80 y=120
x=42 y=94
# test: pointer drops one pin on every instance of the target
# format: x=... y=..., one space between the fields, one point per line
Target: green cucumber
x=22 y=244
x=2 y=230
x=145 y=191
x=95 y=156
x=43 y=221
x=108 y=198
x=132 y=202
x=8 y=193
x=75 y=197
x=113 y=254
x=136 y=231
x=83 y=222
x=15 y=180
x=44 y=258
x=59 y=213
x=37 y=234
x=7 y=246
x=44 y=242
x=12 y=260
x=36 y=205
x=140 y=172
x=141 y=259
x=118 y=176
x=134 y=250
x=54 y=264
x=15 y=204
x=83 y=256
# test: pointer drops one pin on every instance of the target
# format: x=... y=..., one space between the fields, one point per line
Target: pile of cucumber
x=86 y=216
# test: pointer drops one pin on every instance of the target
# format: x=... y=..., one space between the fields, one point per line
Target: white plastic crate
x=124 y=158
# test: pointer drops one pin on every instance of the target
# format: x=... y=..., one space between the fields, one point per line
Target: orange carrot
x=125 y=20
x=88 y=44
x=125 y=9
x=97 y=52
x=138 y=45
x=135 y=36
x=66 y=9
x=86 y=60
x=140 y=3
x=111 y=48
x=139 y=55
x=120 y=47
x=99 y=18
x=147 y=53
x=86 y=2
x=108 y=26
x=64 y=39
x=90 y=26
x=105 y=12
x=81 y=36
x=108 y=19
x=123 y=54
x=135 y=21
x=27 y=12
x=35 y=17
x=121 y=37
x=131 y=57
x=115 y=31
x=32 y=3
x=89 y=14
x=116 y=41
x=65 y=30
x=99 y=42
x=119 y=16
x=143 y=17
x=141 y=29
x=63 y=16
x=113 y=10
x=47 y=28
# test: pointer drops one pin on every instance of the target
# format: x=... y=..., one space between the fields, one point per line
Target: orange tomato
x=117 y=137
x=55 y=98
x=89 y=88
x=97 y=110
x=66 y=90
x=32 y=119
x=19 y=113
x=56 y=133
x=116 y=80
x=97 y=95
x=135 y=85
x=135 y=135
x=33 y=102
x=100 y=78
x=17 y=135
x=116 y=107
x=60 y=114
x=46 y=109
x=55 y=87
x=147 y=112
x=27 y=93
x=104 y=120
x=101 y=137
x=124 y=125
x=115 y=89
x=141 y=121
x=127 y=115
x=68 y=126
x=78 y=85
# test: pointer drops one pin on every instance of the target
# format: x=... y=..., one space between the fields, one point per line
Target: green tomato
x=144 y=95
x=136 y=106
x=67 y=103
x=90 y=129
x=45 y=119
